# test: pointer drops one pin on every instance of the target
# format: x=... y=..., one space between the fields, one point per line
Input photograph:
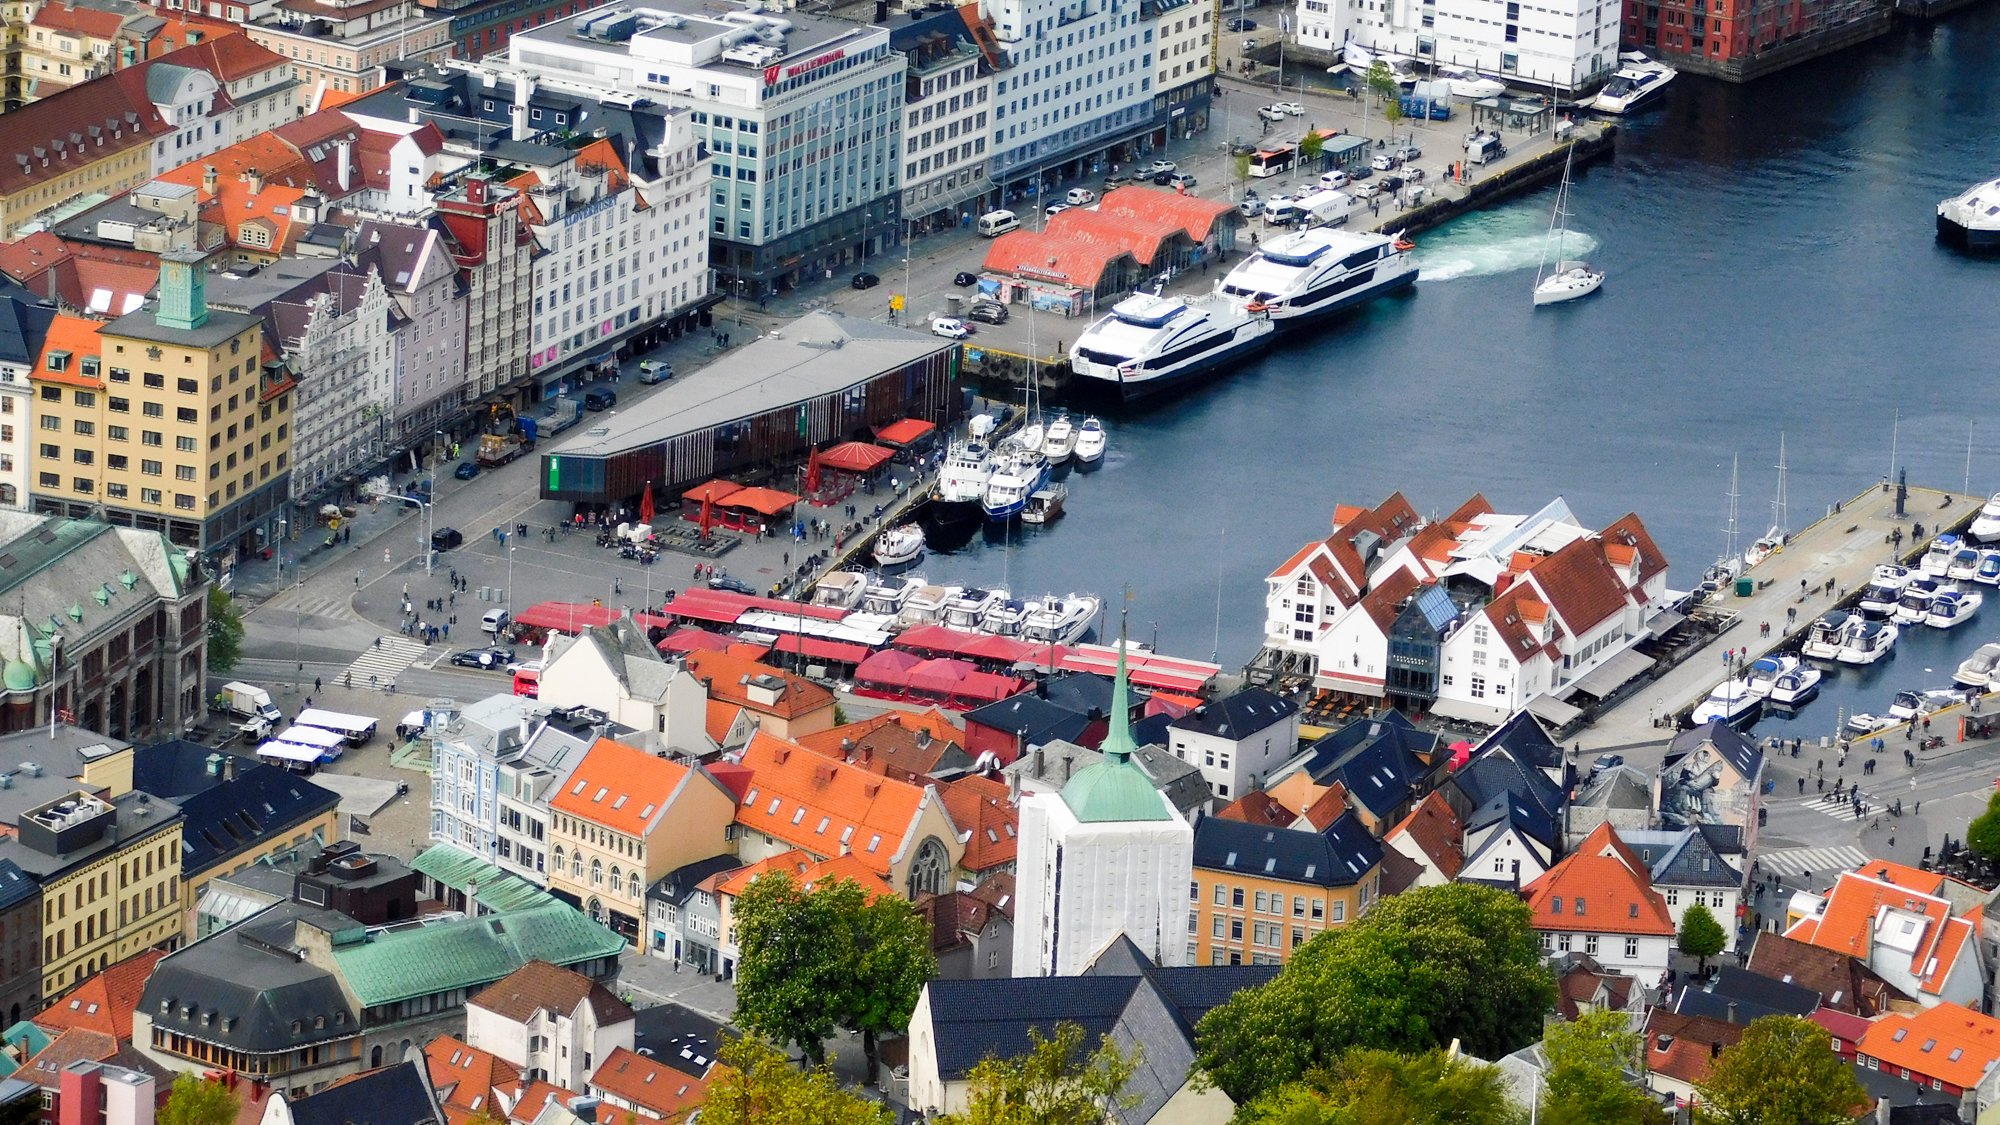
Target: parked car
x=1364 y=190
x=600 y=399
x=1406 y=153
x=1334 y=180
x=1292 y=108
x=988 y=312
x=1182 y=180
x=488 y=658
x=950 y=327
x=1160 y=166
x=1272 y=113
x=1162 y=178
x=1390 y=185
x=1412 y=174
x=1116 y=180
x=466 y=470
x=1080 y=197
x=733 y=585
x=1606 y=761
x=1238 y=23
x=445 y=538
x=1054 y=209
x=534 y=665
x=865 y=280
x=1384 y=161
x=963 y=279
x=653 y=371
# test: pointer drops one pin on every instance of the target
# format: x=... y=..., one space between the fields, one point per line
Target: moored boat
x=1986 y=525
x=1977 y=670
x=1884 y=589
x=888 y=597
x=1824 y=638
x=1045 y=504
x=1061 y=621
x=1954 y=608
x=1796 y=685
x=1091 y=441
x=842 y=589
x=1764 y=672
x=1865 y=642
x=1022 y=472
x=1937 y=559
x=1971 y=220
x=1731 y=702
x=1148 y=343
x=1636 y=84
x=899 y=546
x=1060 y=440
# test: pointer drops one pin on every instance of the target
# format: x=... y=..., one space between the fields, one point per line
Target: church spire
x=1117 y=745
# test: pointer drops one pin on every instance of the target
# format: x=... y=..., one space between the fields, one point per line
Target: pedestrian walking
x=315 y=683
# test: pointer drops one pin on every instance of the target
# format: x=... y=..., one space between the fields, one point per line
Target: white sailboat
x=1570 y=280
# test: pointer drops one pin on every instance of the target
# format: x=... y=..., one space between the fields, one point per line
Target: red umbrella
x=707 y=514
x=812 y=471
x=646 y=504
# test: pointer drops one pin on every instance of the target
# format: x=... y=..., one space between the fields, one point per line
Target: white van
x=1334 y=179
x=494 y=621
x=1328 y=208
x=1280 y=210
x=993 y=224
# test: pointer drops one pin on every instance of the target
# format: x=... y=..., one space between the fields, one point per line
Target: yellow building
x=1259 y=894
x=65 y=45
x=173 y=426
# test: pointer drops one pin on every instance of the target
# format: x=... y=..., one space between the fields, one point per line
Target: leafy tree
x=1421 y=969
x=225 y=631
x=1369 y=1087
x=1055 y=1083
x=1984 y=834
x=1381 y=82
x=1782 y=1072
x=892 y=961
x=195 y=1101
x=1586 y=1077
x=756 y=1085
x=1311 y=146
x=1701 y=934
x=1243 y=167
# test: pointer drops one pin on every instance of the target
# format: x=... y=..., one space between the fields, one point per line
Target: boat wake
x=1450 y=258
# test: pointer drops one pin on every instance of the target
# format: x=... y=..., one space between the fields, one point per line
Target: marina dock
x=1822 y=567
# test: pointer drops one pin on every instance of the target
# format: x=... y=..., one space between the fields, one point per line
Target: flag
x=356 y=826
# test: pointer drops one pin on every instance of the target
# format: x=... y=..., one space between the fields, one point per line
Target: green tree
x=1381 y=82
x=1701 y=934
x=1420 y=969
x=1984 y=834
x=756 y=1085
x=225 y=631
x=1312 y=146
x=1055 y=1083
x=1782 y=1072
x=1243 y=167
x=195 y=1101
x=1586 y=1076
x=1369 y=1087
x=892 y=962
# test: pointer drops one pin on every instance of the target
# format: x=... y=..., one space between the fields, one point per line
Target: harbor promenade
x=1823 y=566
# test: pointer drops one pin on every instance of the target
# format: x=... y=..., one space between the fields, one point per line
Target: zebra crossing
x=382 y=664
x=1820 y=861
x=334 y=605
x=1840 y=808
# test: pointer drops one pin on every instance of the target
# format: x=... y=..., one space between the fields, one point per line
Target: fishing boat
x=1091 y=441
x=1045 y=504
x=899 y=546
x=1865 y=642
x=1986 y=525
x=843 y=589
x=1764 y=672
x=1148 y=343
x=1731 y=703
x=968 y=465
x=1022 y=472
x=1637 y=82
x=1977 y=670
x=1570 y=279
x=1953 y=608
x=1937 y=559
x=1060 y=441
x=1299 y=277
x=1061 y=621
x=1884 y=589
x=888 y=597
x=1824 y=638
x=1796 y=685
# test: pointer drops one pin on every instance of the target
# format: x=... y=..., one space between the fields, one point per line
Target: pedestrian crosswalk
x=334 y=606
x=1841 y=808
x=1820 y=861
x=381 y=664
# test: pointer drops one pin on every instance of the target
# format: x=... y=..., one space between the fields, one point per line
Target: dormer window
x=58 y=361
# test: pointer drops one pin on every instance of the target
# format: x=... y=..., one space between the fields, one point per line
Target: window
x=1579 y=906
x=1236 y=897
x=1556 y=905
x=152 y=410
x=1590 y=944
x=150 y=468
x=1631 y=948
x=188 y=386
x=185 y=444
x=121 y=405
x=150 y=437
x=1478 y=687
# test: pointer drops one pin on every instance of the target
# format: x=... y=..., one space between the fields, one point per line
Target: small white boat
x=1910 y=705
x=888 y=597
x=1989 y=568
x=1061 y=440
x=1865 y=642
x=1765 y=546
x=1964 y=563
x=1061 y=621
x=1986 y=525
x=965 y=611
x=1029 y=436
x=1470 y=84
x=1884 y=588
x=1937 y=560
x=1764 y=672
x=900 y=545
x=1863 y=722
x=1796 y=685
x=1731 y=703
x=1953 y=608
x=1637 y=82
x=1571 y=279
x=1090 y=441
x=843 y=589
x=1915 y=604
x=1824 y=639
x=1045 y=505
x=1977 y=670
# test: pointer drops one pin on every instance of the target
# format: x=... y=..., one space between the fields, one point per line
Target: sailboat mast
x=1779 y=514
x=1729 y=532
x=1562 y=208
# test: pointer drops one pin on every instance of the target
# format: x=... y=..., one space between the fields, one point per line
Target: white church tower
x=1108 y=855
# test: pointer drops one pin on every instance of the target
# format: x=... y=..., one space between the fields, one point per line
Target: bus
x=1276 y=162
x=356 y=729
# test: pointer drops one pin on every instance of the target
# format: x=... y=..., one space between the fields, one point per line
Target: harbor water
x=1772 y=270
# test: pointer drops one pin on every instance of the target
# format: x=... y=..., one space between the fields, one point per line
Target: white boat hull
x=1953 y=612
x=1861 y=648
x=1569 y=285
x=1796 y=687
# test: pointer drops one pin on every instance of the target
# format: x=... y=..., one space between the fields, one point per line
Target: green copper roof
x=499 y=891
x=470 y=954
x=1115 y=788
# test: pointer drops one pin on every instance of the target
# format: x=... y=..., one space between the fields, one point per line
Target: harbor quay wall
x=1749 y=68
x=1501 y=185
x=1929 y=9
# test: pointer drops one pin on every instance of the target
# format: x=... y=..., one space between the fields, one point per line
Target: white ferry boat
x=1972 y=219
x=1318 y=271
x=1149 y=343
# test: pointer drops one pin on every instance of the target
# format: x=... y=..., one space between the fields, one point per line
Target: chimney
x=585 y=1108
x=1013 y=787
x=229 y=767
x=1732 y=1011
x=867 y=754
x=343 y=174
x=923 y=740
x=208 y=178
x=472 y=898
x=1038 y=761
x=1715 y=1049
x=255 y=179
x=524 y=730
x=524 y=89
x=1065 y=764
x=847 y=749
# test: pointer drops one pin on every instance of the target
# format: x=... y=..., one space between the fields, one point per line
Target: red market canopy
x=934 y=639
x=566 y=616
x=840 y=652
x=985 y=687
x=723 y=607
x=713 y=491
x=1003 y=649
x=903 y=432
x=889 y=668
x=854 y=457
x=1146 y=668
x=940 y=677
x=763 y=501
x=690 y=639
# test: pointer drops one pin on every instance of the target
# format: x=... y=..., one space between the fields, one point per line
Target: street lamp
x=298 y=615
x=424 y=527
x=508 y=593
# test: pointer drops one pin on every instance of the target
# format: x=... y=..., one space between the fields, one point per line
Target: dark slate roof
x=175 y=769
x=15 y=885
x=1742 y=754
x=1523 y=738
x=1152 y=730
x=1726 y=839
x=1338 y=857
x=977 y=1019
x=1754 y=997
x=1521 y=814
x=262 y=804
x=1487 y=775
x=1085 y=693
x=678 y=1037
x=1239 y=716
x=1375 y=759
x=394 y=1095
x=678 y=884
x=24 y=325
x=1031 y=718
x=1693 y=862
x=247 y=988
x=1195 y=989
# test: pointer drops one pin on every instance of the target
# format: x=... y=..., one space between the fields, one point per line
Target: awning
x=290 y=752
x=838 y=651
x=985 y=687
x=1554 y=710
x=1613 y=674
x=903 y=432
x=713 y=490
x=940 y=677
x=854 y=457
x=890 y=669
x=704 y=604
x=764 y=501
x=934 y=639
x=309 y=736
x=690 y=639
x=1003 y=649
x=569 y=617
x=1660 y=623
x=414 y=719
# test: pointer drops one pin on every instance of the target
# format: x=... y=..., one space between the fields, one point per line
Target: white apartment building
x=801 y=115
x=1077 y=88
x=1558 y=44
x=1184 y=66
x=466 y=755
x=345 y=355
x=948 y=104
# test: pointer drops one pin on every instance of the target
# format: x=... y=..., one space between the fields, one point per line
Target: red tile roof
x=1855 y=906
x=1143 y=239
x=74 y=337
x=539 y=986
x=1385 y=601
x=1684 y=1047
x=70 y=1045
x=622 y=788
x=1190 y=213
x=1437 y=833
x=1630 y=531
x=1948 y=1041
x=658 y=1090
x=1258 y=808
x=802 y=869
x=93 y=23
x=530 y=1099
x=232 y=57
x=1615 y=898
x=1067 y=261
x=466 y=1078
x=811 y=801
x=979 y=805
x=105 y=1002
x=724 y=675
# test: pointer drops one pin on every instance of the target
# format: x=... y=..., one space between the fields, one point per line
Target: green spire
x=1115 y=789
x=1117 y=745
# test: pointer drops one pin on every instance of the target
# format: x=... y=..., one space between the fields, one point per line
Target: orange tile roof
x=1605 y=841
x=266 y=153
x=794 y=863
x=622 y=788
x=1258 y=808
x=93 y=23
x=1579 y=582
x=77 y=338
x=466 y=1078
x=530 y=1099
x=811 y=801
x=1142 y=238
x=1191 y=213
x=1616 y=899
x=1474 y=507
x=105 y=1002
x=1329 y=807
x=1436 y=831
x=657 y=1089
x=334 y=99
x=69 y=1045
x=1286 y=568
x=1630 y=531
x=1683 y=1047
x=1855 y=905
x=180 y=23
x=1067 y=261
x=724 y=674
x=233 y=204
x=979 y=805
x=1947 y=1041
x=720 y=717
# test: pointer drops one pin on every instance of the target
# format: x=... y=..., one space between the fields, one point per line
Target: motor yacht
x=1796 y=685
x=968 y=465
x=1060 y=441
x=843 y=589
x=1824 y=638
x=1915 y=603
x=1977 y=670
x=1865 y=642
x=1732 y=703
x=899 y=546
x=1061 y=621
x=1023 y=472
x=1470 y=84
x=1937 y=559
x=1964 y=563
x=888 y=597
x=1149 y=343
x=1864 y=722
x=1916 y=704
x=1300 y=276
x=1004 y=618
x=1986 y=525
x=1764 y=672
x=1884 y=589
x=1090 y=442
x=1953 y=608
x=1971 y=220
x=926 y=606
x=1636 y=84
x=964 y=611
x=1989 y=568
